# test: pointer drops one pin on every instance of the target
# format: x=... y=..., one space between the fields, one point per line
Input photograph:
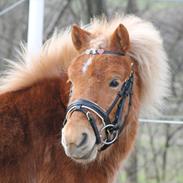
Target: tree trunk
x=132 y=7
x=95 y=8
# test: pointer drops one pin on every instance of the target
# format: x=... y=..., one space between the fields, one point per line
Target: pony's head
x=101 y=93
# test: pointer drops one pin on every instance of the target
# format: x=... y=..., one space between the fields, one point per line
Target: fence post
x=35 y=26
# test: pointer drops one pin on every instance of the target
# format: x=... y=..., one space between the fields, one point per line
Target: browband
x=93 y=51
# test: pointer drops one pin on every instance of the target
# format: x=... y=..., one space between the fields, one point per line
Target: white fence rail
x=161 y=121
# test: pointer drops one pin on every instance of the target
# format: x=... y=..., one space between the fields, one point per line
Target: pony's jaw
x=81 y=148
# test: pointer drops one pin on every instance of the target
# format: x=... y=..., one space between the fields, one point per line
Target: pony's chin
x=88 y=158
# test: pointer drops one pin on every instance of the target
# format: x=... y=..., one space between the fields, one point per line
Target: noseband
x=111 y=128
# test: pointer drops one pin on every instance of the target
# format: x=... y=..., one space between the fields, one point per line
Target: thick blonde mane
x=53 y=59
x=55 y=56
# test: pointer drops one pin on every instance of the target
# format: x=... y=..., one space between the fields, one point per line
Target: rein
x=111 y=128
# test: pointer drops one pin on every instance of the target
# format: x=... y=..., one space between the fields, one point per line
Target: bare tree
x=56 y=19
x=131 y=168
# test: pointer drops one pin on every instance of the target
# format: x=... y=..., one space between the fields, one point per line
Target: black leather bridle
x=111 y=128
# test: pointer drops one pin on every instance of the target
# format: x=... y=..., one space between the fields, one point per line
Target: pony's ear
x=120 y=39
x=80 y=37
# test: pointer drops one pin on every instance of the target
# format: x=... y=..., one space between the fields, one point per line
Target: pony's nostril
x=84 y=140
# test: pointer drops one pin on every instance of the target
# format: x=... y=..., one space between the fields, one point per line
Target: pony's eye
x=114 y=83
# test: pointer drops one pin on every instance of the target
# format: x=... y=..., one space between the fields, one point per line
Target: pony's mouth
x=88 y=157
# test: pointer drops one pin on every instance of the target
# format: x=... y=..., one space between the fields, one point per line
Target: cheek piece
x=111 y=128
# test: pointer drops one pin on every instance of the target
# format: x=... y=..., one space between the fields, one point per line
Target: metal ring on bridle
x=114 y=134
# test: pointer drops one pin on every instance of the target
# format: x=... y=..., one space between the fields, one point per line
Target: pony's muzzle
x=78 y=142
x=74 y=143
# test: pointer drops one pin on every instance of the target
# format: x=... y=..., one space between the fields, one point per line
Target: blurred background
x=158 y=153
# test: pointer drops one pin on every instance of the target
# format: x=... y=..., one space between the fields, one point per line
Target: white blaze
x=86 y=65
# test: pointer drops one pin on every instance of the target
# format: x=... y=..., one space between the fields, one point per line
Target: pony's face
x=97 y=78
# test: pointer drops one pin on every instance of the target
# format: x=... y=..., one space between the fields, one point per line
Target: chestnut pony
x=115 y=70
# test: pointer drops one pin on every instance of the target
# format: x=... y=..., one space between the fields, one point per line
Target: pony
x=70 y=114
